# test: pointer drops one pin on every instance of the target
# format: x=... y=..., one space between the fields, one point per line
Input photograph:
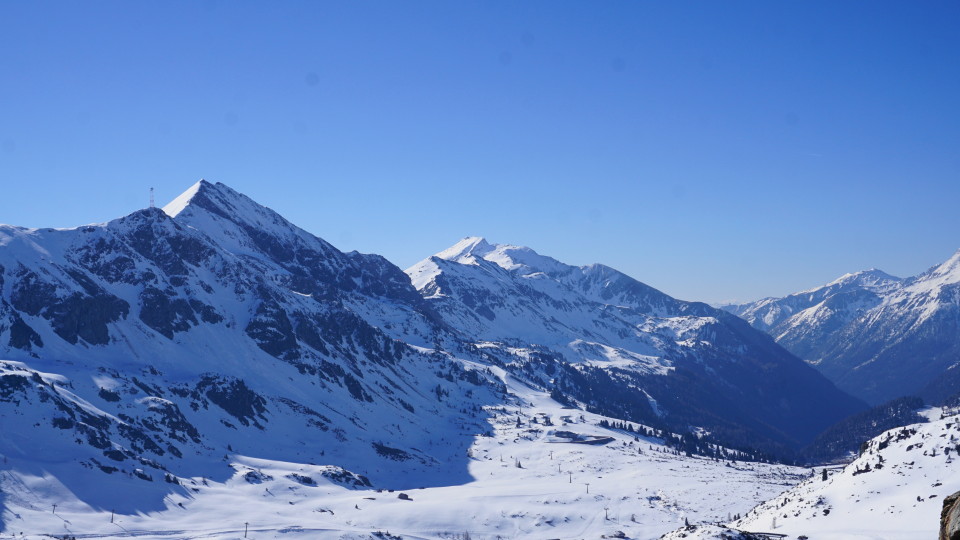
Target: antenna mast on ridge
x=151 y=197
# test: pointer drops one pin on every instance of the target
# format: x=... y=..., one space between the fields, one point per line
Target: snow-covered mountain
x=603 y=339
x=205 y=368
x=155 y=346
x=875 y=335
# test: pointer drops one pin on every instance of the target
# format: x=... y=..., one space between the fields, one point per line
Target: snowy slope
x=874 y=335
x=601 y=338
x=894 y=490
x=636 y=486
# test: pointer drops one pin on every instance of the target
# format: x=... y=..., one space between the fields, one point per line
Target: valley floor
x=527 y=483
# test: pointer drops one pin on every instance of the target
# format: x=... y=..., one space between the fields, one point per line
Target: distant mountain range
x=876 y=336
x=605 y=340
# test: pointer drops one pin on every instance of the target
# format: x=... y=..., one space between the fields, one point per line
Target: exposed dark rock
x=355 y=388
x=314 y=418
x=166 y=418
x=302 y=479
x=272 y=330
x=22 y=336
x=234 y=397
x=256 y=477
x=346 y=478
x=392 y=453
x=31 y=293
x=308 y=332
x=140 y=441
x=74 y=316
x=166 y=313
x=109 y=261
x=208 y=313
x=950 y=518
x=62 y=423
x=86 y=317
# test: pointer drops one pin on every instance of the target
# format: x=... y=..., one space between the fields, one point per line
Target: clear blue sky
x=714 y=150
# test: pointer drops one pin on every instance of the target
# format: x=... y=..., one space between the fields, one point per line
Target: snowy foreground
x=893 y=491
x=527 y=482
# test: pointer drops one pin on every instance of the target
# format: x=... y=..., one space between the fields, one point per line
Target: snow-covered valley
x=526 y=481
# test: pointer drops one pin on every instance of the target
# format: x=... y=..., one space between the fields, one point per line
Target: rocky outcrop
x=950 y=518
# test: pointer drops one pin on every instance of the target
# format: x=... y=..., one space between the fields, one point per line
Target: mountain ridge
x=606 y=323
x=875 y=335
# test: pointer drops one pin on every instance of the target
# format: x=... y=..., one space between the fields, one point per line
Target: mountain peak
x=945 y=273
x=507 y=256
x=217 y=198
x=471 y=246
x=240 y=223
x=872 y=280
x=178 y=204
x=951 y=264
x=205 y=200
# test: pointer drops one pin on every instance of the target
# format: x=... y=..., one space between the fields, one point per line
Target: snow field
x=899 y=500
x=636 y=486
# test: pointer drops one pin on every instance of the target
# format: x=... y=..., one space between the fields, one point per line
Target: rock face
x=950 y=518
x=598 y=337
x=876 y=336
